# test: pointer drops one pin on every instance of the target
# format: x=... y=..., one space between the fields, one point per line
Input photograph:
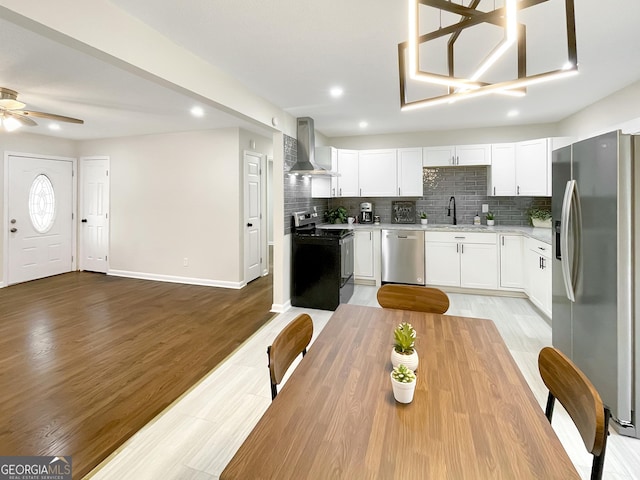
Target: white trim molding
x=281 y=308
x=175 y=279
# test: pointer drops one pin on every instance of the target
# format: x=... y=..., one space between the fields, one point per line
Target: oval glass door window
x=42 y=204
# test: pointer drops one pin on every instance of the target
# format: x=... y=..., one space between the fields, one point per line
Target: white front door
x=94 y=214
x=252 y=215
x=40 y=222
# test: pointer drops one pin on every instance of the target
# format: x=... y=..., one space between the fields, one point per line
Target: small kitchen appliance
x=366 y=212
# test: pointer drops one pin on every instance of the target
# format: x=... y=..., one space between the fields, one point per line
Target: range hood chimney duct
x=306 y=162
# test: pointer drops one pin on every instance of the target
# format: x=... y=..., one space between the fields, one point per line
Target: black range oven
x=321 y=264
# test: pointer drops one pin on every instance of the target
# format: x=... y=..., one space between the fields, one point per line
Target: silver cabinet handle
x=541 y=248
x=503 y=241
x=494 y=191
x=457 y=160
x=457 y=248
x=340 y=191
x=518 y=189
x=398 y=191
x=360 y=192
x=462 y=248
x=460 y=237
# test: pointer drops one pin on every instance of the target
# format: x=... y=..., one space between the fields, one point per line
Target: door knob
x=13 y=230
x=84 y=220
x=13 y=220
x=249 y=224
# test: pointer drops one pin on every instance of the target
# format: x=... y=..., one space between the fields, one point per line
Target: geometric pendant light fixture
x=457 y=87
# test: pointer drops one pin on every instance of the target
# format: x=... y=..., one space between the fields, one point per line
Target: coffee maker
x=366 y=212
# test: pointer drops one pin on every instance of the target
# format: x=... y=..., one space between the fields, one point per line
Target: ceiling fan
x=13 y=116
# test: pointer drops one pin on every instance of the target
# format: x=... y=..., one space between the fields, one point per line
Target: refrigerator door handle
x=564 y=239
x=571 y=212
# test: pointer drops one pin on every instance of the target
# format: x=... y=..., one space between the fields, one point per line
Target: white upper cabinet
x=533 y=168
x=522 y=169
x=473 y=155
x=348 y=182
x=410 y=172
x=459 y=155
x=438 y=156
x=502 y=174
x=378 y=173
x=325 y=187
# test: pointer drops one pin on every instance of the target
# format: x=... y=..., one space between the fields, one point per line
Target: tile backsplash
x=297 y=189
x=469 y=187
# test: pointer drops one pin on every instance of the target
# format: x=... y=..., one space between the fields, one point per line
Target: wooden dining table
x=473 y=416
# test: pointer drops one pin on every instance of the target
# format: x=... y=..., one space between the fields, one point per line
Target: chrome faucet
x=455 y=220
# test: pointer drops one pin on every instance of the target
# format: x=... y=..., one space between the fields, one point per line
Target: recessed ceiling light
x=54 y=126
x=513 y=113
x=197 y=112
x=363 y=124
x=336 y=92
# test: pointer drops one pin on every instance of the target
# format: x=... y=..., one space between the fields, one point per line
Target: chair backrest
x=413 y=297
x=578 y=396
x=290 y=342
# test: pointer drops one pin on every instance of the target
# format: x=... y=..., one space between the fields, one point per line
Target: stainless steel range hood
x=306 y=162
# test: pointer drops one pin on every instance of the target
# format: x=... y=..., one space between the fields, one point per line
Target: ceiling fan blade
x=21 y=118
x=51 y=116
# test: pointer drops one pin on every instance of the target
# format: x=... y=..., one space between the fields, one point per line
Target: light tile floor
x=196 y=437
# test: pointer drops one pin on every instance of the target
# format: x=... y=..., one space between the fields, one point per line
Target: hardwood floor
x=196 y=437
x=86 y=360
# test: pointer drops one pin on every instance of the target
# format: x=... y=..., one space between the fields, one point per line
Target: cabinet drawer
x=541 y=248
x=461 y=237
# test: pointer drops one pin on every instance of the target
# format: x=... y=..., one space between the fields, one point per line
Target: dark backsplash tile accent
x=469 y=187
x=297 y=190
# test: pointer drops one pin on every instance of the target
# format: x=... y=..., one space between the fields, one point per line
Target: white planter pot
x=424 y=221
x=409 y=361
x=491 y=223
x=541 y=223
x=403 y=392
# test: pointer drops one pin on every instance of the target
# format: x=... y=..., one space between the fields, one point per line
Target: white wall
x=447 y=137
x=27 y=143
x=175 y=196
x=618 y=110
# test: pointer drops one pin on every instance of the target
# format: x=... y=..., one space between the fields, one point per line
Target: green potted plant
x=423 y=218
x=540 y=217
x=403 y=351
x=491 y=219
x=336 y=215
x=403 y=382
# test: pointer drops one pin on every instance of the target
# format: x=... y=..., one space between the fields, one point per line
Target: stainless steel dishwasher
x=403 y=256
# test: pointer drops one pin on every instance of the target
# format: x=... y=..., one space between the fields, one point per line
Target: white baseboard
x=2 y=285
x=281 y=308
x=175 y=279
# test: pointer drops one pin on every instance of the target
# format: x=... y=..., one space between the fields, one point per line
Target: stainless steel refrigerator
x=593 y=317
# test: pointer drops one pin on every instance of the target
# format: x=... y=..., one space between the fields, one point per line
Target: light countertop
x=542 y=234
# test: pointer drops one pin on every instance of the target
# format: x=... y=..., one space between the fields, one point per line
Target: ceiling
x=292 y=52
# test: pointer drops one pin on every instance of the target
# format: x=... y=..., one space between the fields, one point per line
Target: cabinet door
x=442 y=264
x=532 y=168
x=479 y=265
x=535 y=287
x=438 y=156
x=502 y=173
x=511 y=261
x=348 y=169
x=545 y=280
x=364 y=265
x=473 y=155
x=410 y=172
x=378 y=173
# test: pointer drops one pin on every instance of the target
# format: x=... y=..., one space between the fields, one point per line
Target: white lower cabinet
x=511 y=262
x=538 y=274
x=366 y=265
x=465 y=259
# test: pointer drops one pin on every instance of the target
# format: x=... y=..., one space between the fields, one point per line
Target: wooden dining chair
x=581 y=400
x=289 y=343
x=413 y=297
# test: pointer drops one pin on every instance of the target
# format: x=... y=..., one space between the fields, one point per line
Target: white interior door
x=40 y=208
x=253 y=215
x=94 y=208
